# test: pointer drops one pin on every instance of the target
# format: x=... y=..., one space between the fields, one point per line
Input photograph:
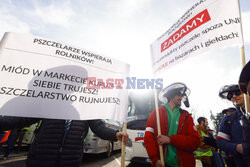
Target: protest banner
x=207 y=24
x=49 y=79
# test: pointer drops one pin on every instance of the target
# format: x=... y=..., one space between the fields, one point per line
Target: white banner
x=206 y=25
x=48 y=79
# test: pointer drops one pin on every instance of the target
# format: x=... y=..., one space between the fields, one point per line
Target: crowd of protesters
x=182 y=141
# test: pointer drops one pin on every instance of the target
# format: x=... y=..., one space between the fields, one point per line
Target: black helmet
x=226 y=91
x=228 y=109
x=244 y=78
x=176 y=88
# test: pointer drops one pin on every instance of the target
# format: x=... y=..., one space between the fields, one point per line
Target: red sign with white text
x=195 y=22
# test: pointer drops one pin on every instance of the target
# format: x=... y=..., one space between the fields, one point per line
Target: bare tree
x=216 y=119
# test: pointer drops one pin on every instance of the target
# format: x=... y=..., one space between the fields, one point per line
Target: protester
x=179 y=137
x=10 y=144
x=20 y=134
x=228 y=111
x=59 y=143
x=229 y=157
x=245 y=87
x=204 y=152
x=230 y=137
x=3 y=137
x=244 y=79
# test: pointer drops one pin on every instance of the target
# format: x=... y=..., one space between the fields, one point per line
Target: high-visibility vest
x=200 y=152
x=39 y=124
x=26 y=128
x=6 y=135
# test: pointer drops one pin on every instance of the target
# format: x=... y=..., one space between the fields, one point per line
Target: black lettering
x=35 y=83
x=23 y=92
x=10 y=90
x=14 y=92
x=28 y=94
x=53 y=44
x=3 y=90
x=44 y=42
x=46 y=95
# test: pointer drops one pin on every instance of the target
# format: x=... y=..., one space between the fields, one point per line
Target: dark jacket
x=246 y=135
x=230 y=134
x=52 y=147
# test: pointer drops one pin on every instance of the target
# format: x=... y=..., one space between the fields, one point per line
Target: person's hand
x=239 y=148
x=120 y=135
x=163 y=139
x=158 y=164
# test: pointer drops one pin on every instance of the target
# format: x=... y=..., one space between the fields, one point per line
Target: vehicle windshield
x=140 y=107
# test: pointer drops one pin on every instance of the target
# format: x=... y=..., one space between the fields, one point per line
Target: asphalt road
x=100 y=160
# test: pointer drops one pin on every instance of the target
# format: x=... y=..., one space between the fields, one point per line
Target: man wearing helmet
x=179 y=137
x=230 y=137
x=229 y=157
x=228 y=111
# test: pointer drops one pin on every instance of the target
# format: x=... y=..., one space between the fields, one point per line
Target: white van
x=95 y=145
x=135 y=151
x=141 y=105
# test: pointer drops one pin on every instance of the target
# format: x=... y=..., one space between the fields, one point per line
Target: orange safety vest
x=5 y=138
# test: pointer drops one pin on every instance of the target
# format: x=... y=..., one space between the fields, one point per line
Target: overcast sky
x=124 y=29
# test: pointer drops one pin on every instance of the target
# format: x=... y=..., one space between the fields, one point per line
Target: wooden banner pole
x=123 y=145
x=243 y=59
x=158 y=126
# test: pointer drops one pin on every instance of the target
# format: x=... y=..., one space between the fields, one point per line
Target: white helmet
x=176 y=88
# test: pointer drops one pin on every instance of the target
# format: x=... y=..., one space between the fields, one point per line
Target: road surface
x=100 y=160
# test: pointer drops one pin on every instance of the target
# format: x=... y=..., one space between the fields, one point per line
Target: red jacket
x=186 y=140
